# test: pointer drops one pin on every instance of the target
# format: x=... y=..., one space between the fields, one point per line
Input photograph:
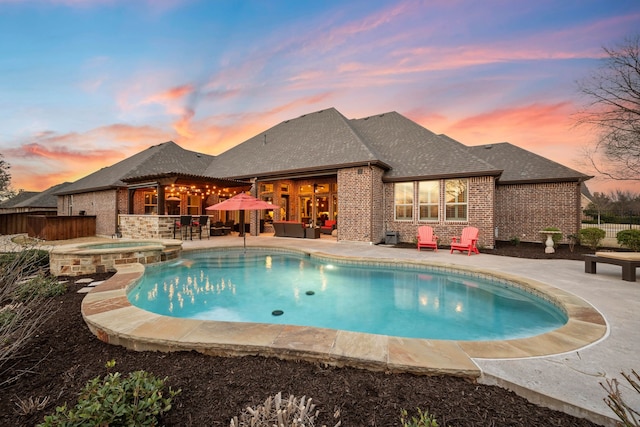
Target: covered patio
x=156 y=204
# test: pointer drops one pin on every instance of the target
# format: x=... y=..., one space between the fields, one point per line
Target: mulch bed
x=64 y=355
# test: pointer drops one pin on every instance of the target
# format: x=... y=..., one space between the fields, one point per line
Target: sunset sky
x=87 y=83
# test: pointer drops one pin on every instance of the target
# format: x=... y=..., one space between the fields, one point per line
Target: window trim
x=431 y=203
x=456 y=204
x=410 y=204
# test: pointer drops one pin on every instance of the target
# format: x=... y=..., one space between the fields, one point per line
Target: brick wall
x=102 y=204
x=523 y=210
x=480 y=213
x=360 y=204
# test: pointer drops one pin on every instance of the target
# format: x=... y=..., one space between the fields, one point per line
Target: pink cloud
x=171 y=94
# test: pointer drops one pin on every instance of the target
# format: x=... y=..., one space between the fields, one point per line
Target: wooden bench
x=628 y=260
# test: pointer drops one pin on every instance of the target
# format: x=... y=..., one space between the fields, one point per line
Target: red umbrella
x=241 y=202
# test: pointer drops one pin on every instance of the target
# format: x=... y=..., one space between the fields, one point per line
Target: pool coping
x=114 y=320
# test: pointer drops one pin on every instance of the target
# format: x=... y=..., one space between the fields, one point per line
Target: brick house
x=376 y=175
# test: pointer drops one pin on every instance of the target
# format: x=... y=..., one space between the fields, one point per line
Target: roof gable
x=164 y=158
x=320 y=140
x=521 y=166
x=413 y=151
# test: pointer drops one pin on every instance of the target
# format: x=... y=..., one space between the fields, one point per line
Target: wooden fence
x=16 y=222
x=60 y=227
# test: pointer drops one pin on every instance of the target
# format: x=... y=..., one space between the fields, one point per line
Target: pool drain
x=277 y=312
x=310 y=292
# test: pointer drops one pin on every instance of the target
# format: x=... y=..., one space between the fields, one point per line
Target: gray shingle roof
x=321 y=140
x=43 y=199
x=413 y=151
x=164 y=158
x=522 y=166
x=17 y=199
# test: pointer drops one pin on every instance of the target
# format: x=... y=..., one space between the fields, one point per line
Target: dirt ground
x=64 y=355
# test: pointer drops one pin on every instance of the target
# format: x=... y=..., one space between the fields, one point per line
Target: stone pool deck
x=562 y=370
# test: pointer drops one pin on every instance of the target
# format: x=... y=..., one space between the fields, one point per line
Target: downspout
x=371 y=205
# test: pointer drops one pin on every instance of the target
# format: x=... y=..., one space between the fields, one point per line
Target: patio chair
x=467 y=241
x=426 y=239
x=184 y=226
x=199 y=223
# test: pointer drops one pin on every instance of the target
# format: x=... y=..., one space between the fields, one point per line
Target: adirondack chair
x=467 y=241
x=426 y=239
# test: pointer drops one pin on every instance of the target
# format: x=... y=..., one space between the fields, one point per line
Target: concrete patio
x=567 y=381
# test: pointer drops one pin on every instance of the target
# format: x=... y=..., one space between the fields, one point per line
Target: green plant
x=137 y=400
x=592 y=237
x=515 y=240
x=629 y=416
x=29 y=261
x=24 y=302
x=7 y=315
x=556 y=237
x=424 y=419
x=293 y=412
x=39 y=286
x=629 y=239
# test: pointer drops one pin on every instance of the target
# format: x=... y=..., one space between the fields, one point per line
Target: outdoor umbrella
x=241 y=202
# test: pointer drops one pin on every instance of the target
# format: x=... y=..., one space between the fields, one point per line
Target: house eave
x=577 y=179
x=440 y=176
x=90 y=190
x=175 y=177
x=311 y=171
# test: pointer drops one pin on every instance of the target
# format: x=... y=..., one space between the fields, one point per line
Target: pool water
x=287 y=288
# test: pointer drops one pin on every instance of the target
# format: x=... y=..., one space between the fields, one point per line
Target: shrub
x=629 y=239
x=292 y=412
x=592 y=237
x=29 y=261
x=116 y=401
x=424 y=419
x=39 y=286
x=624 y=411
x=24 y=302
x=515 y=240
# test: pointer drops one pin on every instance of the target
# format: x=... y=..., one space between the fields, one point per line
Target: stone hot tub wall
x=80 y=259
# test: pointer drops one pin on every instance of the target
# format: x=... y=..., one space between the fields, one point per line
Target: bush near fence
x=611 y=222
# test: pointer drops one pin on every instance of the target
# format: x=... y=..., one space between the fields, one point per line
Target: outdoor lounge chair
x=328 y=226
x=218 y=229
x=426 y=239
x=467 y=241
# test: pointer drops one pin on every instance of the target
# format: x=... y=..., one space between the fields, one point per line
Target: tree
x=613 y=108
x=5 y=179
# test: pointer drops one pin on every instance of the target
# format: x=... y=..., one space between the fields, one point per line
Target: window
x=456 y=199
x=429 y=200
x=266 y=188
x=403 y=201
x=193 y=205
x=150 y=203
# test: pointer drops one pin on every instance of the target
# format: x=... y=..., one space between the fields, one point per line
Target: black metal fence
x=611 y=221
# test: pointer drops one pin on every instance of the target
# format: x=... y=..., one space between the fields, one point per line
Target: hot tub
x=90 y=258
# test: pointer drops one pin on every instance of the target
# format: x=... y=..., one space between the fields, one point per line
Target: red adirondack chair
x=426 y=239
x=467 y=241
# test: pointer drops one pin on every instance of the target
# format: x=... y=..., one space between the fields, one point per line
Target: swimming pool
x=296 y=289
